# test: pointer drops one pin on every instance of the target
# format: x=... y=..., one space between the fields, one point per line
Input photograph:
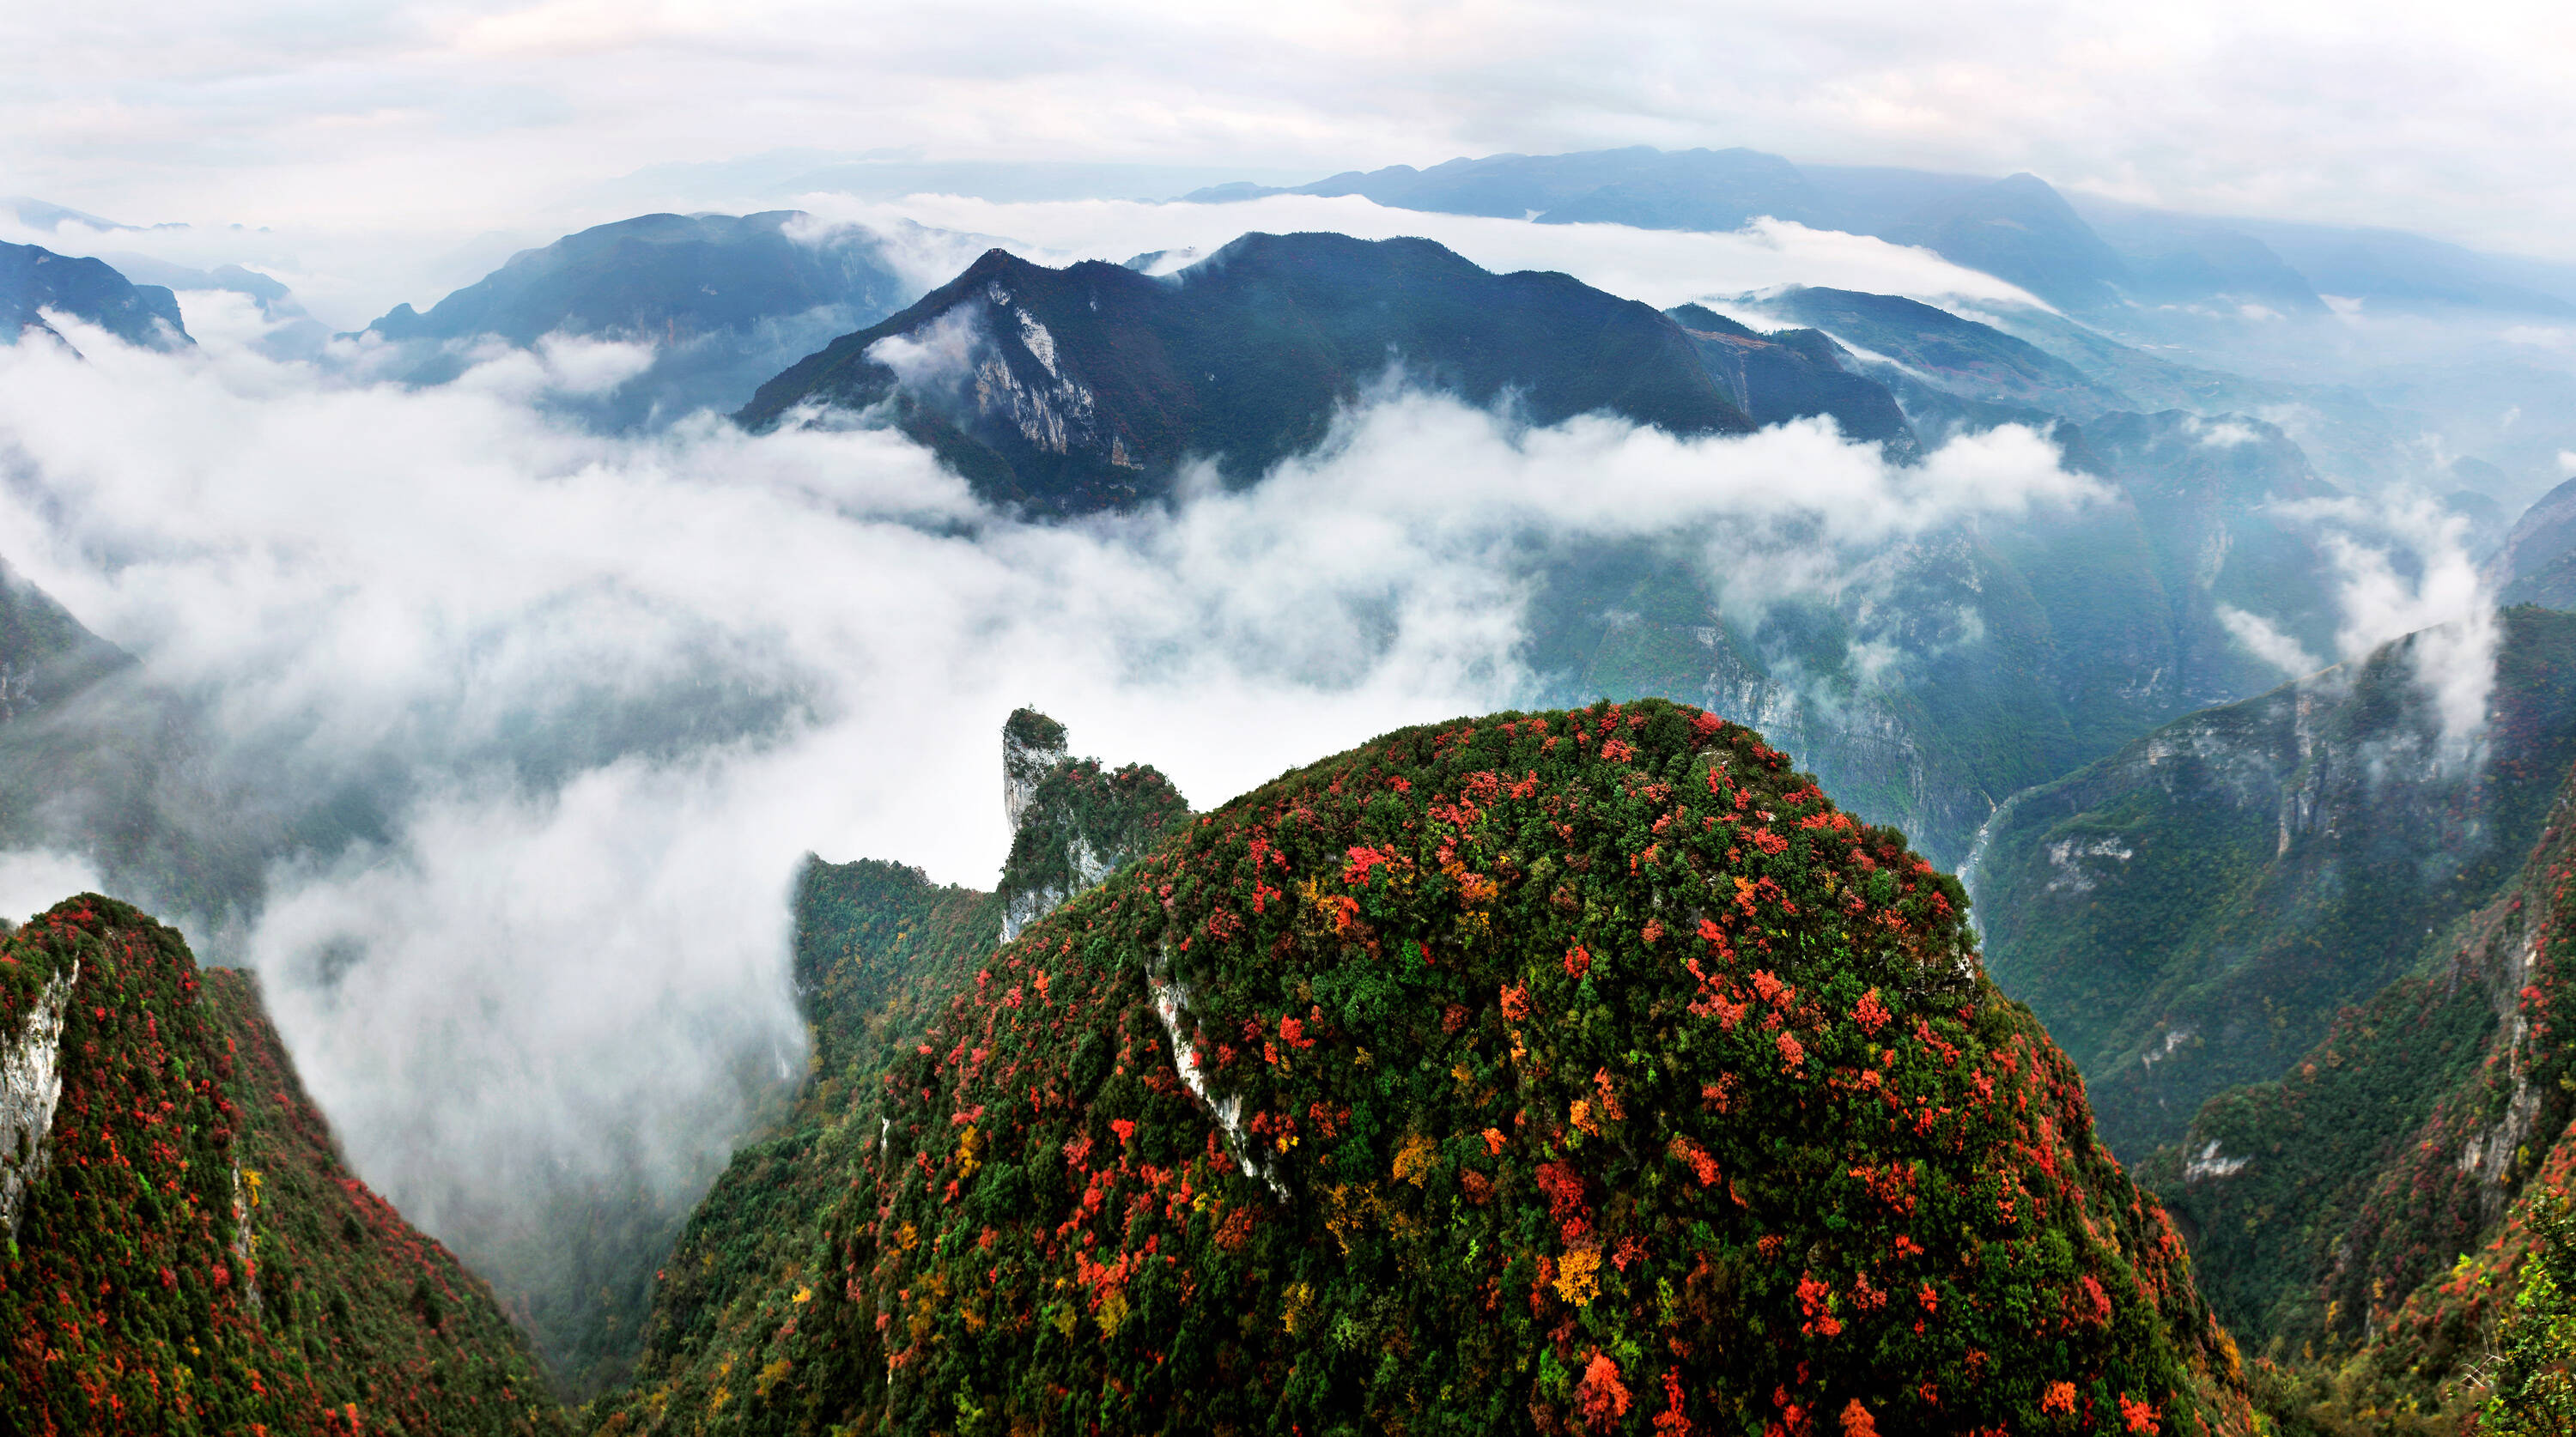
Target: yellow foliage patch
x=1292 y=1307
x=1113 y=1311
x=1413 y=1161
x=1578 y=1276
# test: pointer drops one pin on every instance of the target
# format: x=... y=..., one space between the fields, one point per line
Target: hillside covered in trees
x=185 y=1252
x=1570 y=1072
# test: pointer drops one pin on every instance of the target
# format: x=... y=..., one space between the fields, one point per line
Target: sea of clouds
x=540 y=723
x=594 y=699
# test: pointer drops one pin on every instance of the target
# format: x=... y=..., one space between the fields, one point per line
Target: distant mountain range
x=1070 y=390
x=724 y=301
x=2085 y=255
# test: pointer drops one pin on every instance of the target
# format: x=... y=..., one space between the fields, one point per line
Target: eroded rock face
x=1073 y=823
x=1032 y=744
x=31 y=1083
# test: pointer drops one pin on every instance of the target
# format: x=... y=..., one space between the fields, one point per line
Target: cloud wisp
x=2402 y=566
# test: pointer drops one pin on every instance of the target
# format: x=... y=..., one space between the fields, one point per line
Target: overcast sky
x=456 y=116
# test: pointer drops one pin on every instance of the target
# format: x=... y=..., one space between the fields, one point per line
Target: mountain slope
x=45 y=653
x=2536 y=564
x=2021 y=230
x=2318 y=1202
x=2191 y=912
x=1085 y=388
x=33 y=280
x=1795 y=374
x=2366 y=1217
x=186 y=1252
x=1565 y=1072
x=1972 y=360
x=725 y=301
x=880 y=950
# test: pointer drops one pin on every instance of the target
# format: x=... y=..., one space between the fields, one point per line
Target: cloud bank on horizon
x=1663 y=268
x=465 y=116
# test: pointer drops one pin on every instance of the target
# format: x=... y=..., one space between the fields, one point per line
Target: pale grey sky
x=455 y=117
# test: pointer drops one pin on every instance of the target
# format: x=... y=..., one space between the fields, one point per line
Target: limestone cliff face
x=2373 y=1205
x=31 y=1083
x=1073 y=823
x=1032 y=745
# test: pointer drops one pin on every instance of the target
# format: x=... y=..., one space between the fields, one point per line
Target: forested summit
x=1566 y=1072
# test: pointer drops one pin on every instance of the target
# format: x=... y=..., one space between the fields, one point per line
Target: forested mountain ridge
x=186 y=1252
x=2085 y=253
x=1533 y=1072
x=2364 y=1214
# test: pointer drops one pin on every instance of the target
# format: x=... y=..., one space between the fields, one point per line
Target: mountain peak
x=1091 y=384
x=1538 y=1069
